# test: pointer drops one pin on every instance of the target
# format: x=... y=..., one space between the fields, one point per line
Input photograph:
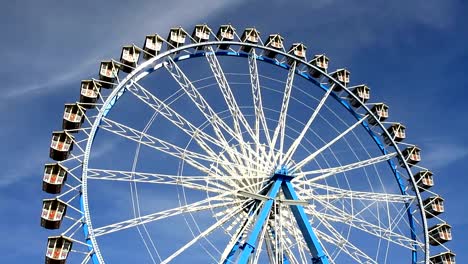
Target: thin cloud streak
x=441 y=154
x=134 y=28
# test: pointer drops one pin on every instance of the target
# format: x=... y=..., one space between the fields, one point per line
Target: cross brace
x=279 y=181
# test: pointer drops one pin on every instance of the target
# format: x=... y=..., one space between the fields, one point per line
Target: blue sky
x=412 y=54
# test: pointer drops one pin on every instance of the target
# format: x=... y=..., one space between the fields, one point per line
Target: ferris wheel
x=230 y=149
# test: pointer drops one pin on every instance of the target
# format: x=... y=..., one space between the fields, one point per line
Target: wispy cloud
x=53 y=82
x=439 y=154
x=47 y=71
x=26 y=166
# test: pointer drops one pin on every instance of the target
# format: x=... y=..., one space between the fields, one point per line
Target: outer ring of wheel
x=150 y=66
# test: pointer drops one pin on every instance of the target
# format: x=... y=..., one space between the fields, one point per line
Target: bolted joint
x=320 y=259
x=247 y=246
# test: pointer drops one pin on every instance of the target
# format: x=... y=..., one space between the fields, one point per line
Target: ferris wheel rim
x=145 y=68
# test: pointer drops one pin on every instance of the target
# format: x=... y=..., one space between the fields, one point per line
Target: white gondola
x=250 y=35
x=380 y=110
x=397 y=132
x=298 y=50
x=129 y=58
x=342 y=76
x=424 y=179
x=54 y=177
x=108 y=73
x=433 y=206
x=58 y=248
x=274 y=41
x=176 y=37
x=53 y=211
x=201 y=33
x=362 y=92
x=412 y=155
x=439 y=234
x=61 y=145
x=447 y=257
x=320 y=61
x=152 y=46
x=89 y=93
x=73 y=117
x=225 y=33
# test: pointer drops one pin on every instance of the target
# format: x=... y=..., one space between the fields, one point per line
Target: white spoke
x=344 y=244
x=191 y=182
x=298 y=140
x=257 y=98
x=240 y=232
x=223 y=84
x=333 y=171
x=259 y=246
x=208 y=231
x=190 y=157
x=203 y=205
x=335 y=214
x=236 y=113
x=337 y=194
x=280 y=128
x=178 y=120
x=210 y=115
x=298 y=241
x=269 y=248
x=326 y=146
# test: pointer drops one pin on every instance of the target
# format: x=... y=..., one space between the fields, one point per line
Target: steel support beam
x=312 y=241
x=280 y=181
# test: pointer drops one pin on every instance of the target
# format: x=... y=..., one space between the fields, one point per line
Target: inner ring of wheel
x=156 y=62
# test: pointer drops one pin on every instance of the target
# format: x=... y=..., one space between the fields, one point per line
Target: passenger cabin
x=53 y=211
x=274 y=41
x=73 y=117
x=61 y=145
x=58 y=248
x=362 y=92
x=412 y=155
x=298 y=50
x=443 y=258
x=176 y=37
x=129 y=58
x=89 y=93
x=380 y=110
x=397 y=132
x=108 y=74
x=424 y=179
x=440 y=234
x=250 y=35
x=201 y=33
x=225 y=33
x=433 y=206
x=55 y=176
x=152 y=47
x=320 y=61
x=342 y=76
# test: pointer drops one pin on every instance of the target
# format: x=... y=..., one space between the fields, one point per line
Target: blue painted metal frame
x=249 y=246
x=308 y=234
x=284 y=182
x=315 y=82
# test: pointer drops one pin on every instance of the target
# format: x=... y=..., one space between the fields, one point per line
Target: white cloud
x=78 y=63
x=441 y=154
x=28 y=166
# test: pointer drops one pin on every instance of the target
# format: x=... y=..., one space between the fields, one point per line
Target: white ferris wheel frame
x=152 y=65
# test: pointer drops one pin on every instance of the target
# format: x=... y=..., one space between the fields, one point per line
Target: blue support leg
x=318 y=255
x=249 y=246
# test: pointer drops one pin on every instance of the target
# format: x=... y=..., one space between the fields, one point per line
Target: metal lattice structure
x=255 y=168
